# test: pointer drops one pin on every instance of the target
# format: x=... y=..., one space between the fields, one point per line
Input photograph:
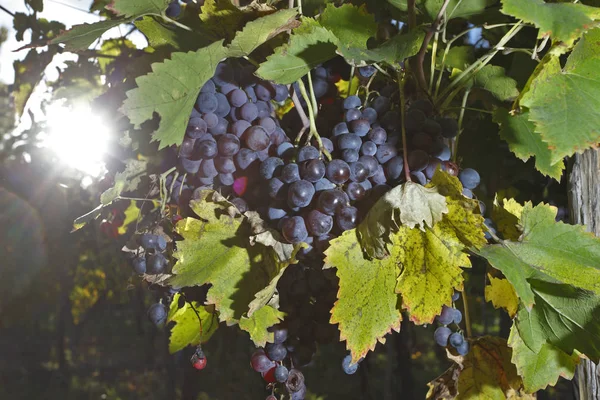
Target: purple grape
x=318 y=223
x=312 y=170
x=346 y=218
x=338 y=171
x=300 y=193
x=294 y=231
x=308 y=153
x=256 y=138
x=441 y=335
x=229 y=145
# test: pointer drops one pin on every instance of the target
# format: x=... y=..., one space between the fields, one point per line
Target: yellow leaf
x=502 y=295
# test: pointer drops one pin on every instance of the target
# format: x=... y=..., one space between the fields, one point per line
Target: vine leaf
x=563 y=102
x=258 y=324
x=486 y=372
x=543 y=368
x=547 y=250
x=502 y=295
x=171 y=90
x=136 y=8
x=392 y=52
x=367 y=307
x=221 y=18
x=506 y=215
x=186 y=330
x=351 y=25
x=216 y=251
x=259 y=31
x=310 y=44
x=458 y=8
x=410 y=204
x=563 y=21
x=125 y=181
x=493 y=79
x=81 y=36
x=522 y=140
x=131 y=215
x=564 y=316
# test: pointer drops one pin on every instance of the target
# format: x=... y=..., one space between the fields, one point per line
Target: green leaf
x=392 y=52
x=502 y=295
x=547 y=250
x=563 y=103
x=186 y=330
x=136 y=8
x=80 y=37
x=221 y=18
x=125 y=181
x=543 y=368
x=171 y=90
x=259 y=31
x=564 y=316
x=492 y=78
x=160 y=35
x=522 y=140
x=563 y=21
x=309 y=45
x=458 y=57
x=86 y=218
x=487 y=371
x=258 y=324
x=351 y=25
x=410 y=204
x=458 y=8
x=367 y=307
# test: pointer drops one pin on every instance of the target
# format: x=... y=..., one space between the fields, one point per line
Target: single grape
x=352 y=102
x=468 y=193
x=190 y=166
x=196 y=127
x=312 y=170
x=346 y=217
x=455 y=296
x=320 y=73
x=338 y=171
x=367 y=185
x=308 y=153
x=240 y=204
x=340 y=129
x=237 y=97
x=260 y=362
x=139 y=265
x=223 y=107
x=370 y=115
x=228 y=145
x=281 y=93
x=370 y=163
x=264 y=109
x=300 y=193
x=269 y=376
x=274 y=214
x=290 y=173
x=209 y=87
x=327 y=144
x=244 y=158
x=264 y=91
x=432 y=166
x=414 y=120
x=226 y=179
x=457 y=316
x=469 y=178
x=271 y=167
x=278 y=136
x=268 y=123
x=208 y=169
x=367 y=71
x=391 y=120
x=463 y=349
x=360 y=127
x=281 y=373
x=347 y=365
x=173 y=9
x=421 y=140
x=318 y=224
x=352 y=114
x=358 y=172
x=355 y=191
x=251 y=94
x=368 y=148
x=156 y=264
x=256 y=138
x=220 y=128
x=456 y=339
x=285 y=150
x=248 y=112
x=418 y=160
x=446 y=316
x=440 y=151
x=441 y=335
x=449 y=127
x=211 y=119
x=228 y=88
x=330 y=200
x=207 y=102
x=350 y=155
x=381 y=104
x=323 y=184
x=349 y=141
x=423 y=105
x=294 y=231
x=157 y=313
x=223 y=74
x=320 y=87
x=233 y=116
x=276 y=189
x=394 y=167
x=432 y=128
x=239 y=127
x=151 y=241
x=379 y=178
x=385 y=153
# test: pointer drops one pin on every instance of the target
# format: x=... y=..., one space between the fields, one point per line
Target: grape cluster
x=151 y=259
x=271 y=363
x=444 y=336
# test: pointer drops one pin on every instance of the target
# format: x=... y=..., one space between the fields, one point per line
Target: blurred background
x=73 y=319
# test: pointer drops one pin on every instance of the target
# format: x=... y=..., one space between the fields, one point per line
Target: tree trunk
x=584 y=204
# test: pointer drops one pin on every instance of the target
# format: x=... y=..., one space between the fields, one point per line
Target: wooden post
x=584 y=204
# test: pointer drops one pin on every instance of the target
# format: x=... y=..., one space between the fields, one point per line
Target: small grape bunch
x=270 y=363
x=152 y=259
x=444 y=336
x=347 y=365
x=198 y=359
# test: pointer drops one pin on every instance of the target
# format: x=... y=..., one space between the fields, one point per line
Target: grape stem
x=313 y=99
x=460 y=123
x=197 y=315
x=302 y=115
x=466 y=313
x=401 y=82
x=313 y=125
x=178 y=24
x=420 y=58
